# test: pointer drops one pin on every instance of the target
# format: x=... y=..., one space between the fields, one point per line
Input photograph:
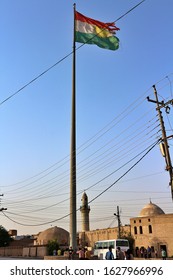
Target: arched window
x=135 y=230
x=150 y=229
x=140 y=230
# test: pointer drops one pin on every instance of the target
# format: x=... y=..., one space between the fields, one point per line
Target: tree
x=127 y=235
x=51 y=246
x=4 y=237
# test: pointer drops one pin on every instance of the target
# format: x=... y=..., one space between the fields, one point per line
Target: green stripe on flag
x=110 y=43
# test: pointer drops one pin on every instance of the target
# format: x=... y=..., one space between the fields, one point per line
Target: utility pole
x=164 y=143
x=119 y=221
x=73 y=217
x=2 y=209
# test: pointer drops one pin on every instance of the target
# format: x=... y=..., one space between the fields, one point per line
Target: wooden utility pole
x=119 y=222
x=2 y=209
x=164 y=142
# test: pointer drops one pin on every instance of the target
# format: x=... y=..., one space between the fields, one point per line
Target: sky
x=118 y=160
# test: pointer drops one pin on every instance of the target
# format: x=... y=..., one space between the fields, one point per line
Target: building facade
x=152 y=228
x=88 y=238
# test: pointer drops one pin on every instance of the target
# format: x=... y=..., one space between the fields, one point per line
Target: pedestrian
x=156 y=254
x=120 y=254
x=128 y=255
x=59 y=252
x=163 y=253
x=131 y=255
x=87 y=254
x=138 y=253
x=70 y=253
x=145 y=253
x=109 y=254
x=81 y=253
x=142 y=252
x=149 y=252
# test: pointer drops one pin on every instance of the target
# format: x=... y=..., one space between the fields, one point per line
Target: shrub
x=51 y=246
x=4 y=237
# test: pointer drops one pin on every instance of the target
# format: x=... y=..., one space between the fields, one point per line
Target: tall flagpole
x=73 y=236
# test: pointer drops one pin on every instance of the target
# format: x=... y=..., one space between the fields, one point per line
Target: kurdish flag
x=90 y=31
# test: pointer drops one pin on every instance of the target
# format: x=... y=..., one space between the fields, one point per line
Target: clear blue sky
x=115 y=122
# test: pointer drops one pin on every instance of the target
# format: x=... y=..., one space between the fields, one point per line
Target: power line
x=61 y=163
x=124 y=173
x=65 y=216
x=67 y=156
x=61 y=60
x=85 y=175
x=130 y=10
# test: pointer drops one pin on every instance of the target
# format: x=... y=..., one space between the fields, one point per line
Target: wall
x=19 y=251
x=161 y=235
x=11 y=251
x=88 y=238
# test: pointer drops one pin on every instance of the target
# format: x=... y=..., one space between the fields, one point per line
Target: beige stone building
x=151 y=228
x=88 y=238
x=53 y=233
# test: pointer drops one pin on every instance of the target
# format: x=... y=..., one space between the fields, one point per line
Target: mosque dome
x=151 y=209
x=53 y=233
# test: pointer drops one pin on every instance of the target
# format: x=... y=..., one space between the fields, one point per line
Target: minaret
x=85 y=209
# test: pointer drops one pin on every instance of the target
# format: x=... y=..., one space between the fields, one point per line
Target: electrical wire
x=58 y=62
x=90 y=200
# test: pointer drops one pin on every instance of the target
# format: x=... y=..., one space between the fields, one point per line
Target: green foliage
x=4 y=237
x=128 y=236
x=51 y=246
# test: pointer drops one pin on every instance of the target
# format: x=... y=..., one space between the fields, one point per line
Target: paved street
x=18 y=258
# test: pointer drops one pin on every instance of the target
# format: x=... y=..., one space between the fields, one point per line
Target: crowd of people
x=143 y=252
x=149 y=252
x=84 y=254
x=120 y=255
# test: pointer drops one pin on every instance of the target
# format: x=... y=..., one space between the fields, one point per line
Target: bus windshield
x=122 y=243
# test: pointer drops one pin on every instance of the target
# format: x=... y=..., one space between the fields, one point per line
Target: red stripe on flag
x=110 y=26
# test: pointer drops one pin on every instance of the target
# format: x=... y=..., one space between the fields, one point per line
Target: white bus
x=102 y=246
